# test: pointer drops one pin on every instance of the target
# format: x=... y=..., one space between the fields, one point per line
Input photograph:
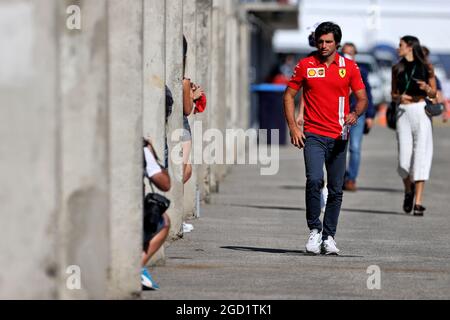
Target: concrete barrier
x=125 y=25
x=174 y=77
x=190 y=32
x=29 y=124
x=81 y=83
x=154 y=113
x=83 y=145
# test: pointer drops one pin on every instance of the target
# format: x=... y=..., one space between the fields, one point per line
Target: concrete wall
x=154 y=74
x=217 y=102
x=125 y=132
x=74 y=107
x=203 y=77
x=154 y=112
x=29 y=126
x=190 y=32
x=84 y=145
x=174 y=77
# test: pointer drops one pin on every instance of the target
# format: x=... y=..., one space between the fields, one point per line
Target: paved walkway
x=249 y=243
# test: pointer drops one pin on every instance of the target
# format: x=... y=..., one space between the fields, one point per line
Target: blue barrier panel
x=271 y=113
x=268 y=87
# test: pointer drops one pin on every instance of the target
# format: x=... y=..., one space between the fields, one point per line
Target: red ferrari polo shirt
x=326 y=91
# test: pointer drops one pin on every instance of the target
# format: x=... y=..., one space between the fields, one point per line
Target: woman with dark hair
x=413 y=81
x=191 y=94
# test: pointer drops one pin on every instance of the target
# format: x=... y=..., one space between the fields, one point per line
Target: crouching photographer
x=156 y=221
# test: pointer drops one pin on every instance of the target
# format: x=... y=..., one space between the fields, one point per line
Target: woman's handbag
x=392 y=111
x=434 y=109
x=391 y=115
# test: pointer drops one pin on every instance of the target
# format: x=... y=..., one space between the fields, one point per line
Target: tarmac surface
x=249 y=243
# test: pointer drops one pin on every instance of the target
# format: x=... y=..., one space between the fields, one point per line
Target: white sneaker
x=187 y=227
x=329 y=247
x=314 y=242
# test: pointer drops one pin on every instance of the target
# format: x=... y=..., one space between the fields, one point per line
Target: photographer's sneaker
x=147 y=281
x=329 y=247
x=314 y=242
x=187 y=227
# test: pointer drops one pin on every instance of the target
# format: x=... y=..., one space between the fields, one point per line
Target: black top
x=421 y=72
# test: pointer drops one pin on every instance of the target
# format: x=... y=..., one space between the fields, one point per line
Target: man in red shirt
x=326 y=79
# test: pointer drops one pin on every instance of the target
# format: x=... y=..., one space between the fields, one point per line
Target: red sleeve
x=356 y=81
x=296 y=81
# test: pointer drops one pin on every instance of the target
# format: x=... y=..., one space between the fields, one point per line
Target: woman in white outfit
x=413 y=80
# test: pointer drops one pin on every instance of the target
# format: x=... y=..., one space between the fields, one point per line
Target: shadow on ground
x=262 y=207
x=282 y=251
x=362 y=189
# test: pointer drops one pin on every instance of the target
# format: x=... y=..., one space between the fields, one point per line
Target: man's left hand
x=352 y=119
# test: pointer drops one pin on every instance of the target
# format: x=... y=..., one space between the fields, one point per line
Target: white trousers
x=415 y=142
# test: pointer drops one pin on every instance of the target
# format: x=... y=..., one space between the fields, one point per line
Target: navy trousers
x=320 y=151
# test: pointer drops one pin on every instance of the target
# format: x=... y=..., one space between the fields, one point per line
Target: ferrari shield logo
x=342 y=73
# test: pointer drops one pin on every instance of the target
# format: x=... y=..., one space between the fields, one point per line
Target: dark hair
x=350 y=44
x=185 y=46
x=418 y=54
x=417 y=48
x=169 y=102
x=426 y=51
x=185 y=49
x=326 y=28
x=312 y=40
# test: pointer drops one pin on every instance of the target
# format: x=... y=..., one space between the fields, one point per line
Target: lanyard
x=408 y=81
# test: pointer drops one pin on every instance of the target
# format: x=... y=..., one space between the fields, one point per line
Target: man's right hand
x=297 y=137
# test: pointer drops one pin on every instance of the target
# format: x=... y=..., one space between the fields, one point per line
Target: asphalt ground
x=249 y=243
